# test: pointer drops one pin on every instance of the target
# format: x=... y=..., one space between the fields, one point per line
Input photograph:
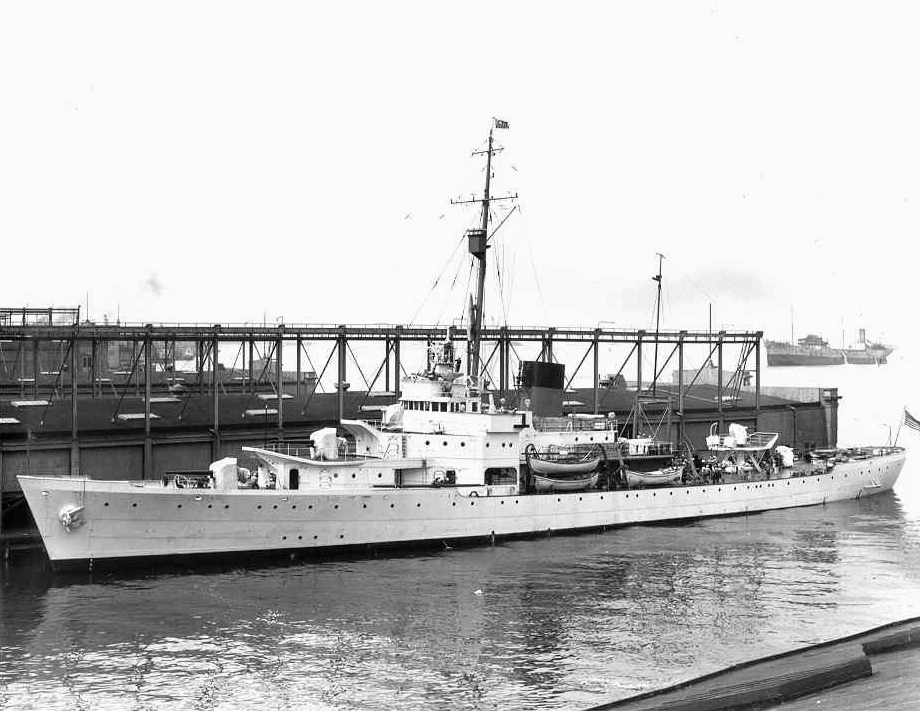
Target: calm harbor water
x=564 y=622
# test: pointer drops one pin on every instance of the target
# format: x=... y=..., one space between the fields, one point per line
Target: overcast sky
x=228 y=162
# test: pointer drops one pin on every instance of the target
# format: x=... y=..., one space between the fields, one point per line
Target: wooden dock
x=876 y=669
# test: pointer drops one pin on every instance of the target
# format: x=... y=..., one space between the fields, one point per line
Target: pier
x=876 y=669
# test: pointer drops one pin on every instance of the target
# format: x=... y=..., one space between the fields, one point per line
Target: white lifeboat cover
x=225 y=473
x=788 y=456
x=392 y=414
x=739 y=432
x=326 y=442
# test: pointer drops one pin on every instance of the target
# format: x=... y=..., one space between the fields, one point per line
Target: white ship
x=444 y=463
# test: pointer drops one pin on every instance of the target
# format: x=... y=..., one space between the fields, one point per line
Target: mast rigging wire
x=533 y=266
x=436 y=281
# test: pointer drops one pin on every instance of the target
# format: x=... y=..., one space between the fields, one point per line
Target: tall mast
x=478 y=244
x=657 y=278
x=478 y=247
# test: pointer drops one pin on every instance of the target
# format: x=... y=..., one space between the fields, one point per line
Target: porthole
x=379 y=475
x=315 y=537
x=364 y=506
x=299 y=538
x=558 y=499
x=106 y=503
x=179 y=506
x=580 y=499
x=392 y=506
x=210 y=506
x=283 y=538
x=353 y=476
x=335 y=475
x=488 y=444
x=226 y=506
x=336 y=506
x=463 y=444
x=515 y=501
x=310 y=506
x=427 y=442
x=502 y=502
x=445 y=443
x=418 y=506
x=472 y=503
x=275 y=506
x=503 y=444
x=576 y=439
x=672 y=493
x=133 y=506
x=341 y=535
x=654 y=493
x=259 y=506
x=294 y=506
x=454 y=503
x=510 y=444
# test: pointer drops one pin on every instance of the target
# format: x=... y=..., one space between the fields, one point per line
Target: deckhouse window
x=475 y=406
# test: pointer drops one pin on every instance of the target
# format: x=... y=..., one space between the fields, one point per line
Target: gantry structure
x=27 y=337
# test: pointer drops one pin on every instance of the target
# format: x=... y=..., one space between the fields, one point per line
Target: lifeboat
x=658 y=477
x=564 y=470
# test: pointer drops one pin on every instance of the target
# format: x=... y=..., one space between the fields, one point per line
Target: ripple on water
x=564 y=622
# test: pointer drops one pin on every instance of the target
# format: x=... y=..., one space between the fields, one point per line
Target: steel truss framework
x=499 y=346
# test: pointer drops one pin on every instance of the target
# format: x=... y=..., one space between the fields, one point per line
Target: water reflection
x=561 y=622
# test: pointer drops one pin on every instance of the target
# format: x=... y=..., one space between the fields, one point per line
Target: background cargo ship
x=814 y=350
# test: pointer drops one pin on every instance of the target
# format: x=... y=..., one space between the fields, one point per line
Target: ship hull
x=134 y=521
x=787 y=359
